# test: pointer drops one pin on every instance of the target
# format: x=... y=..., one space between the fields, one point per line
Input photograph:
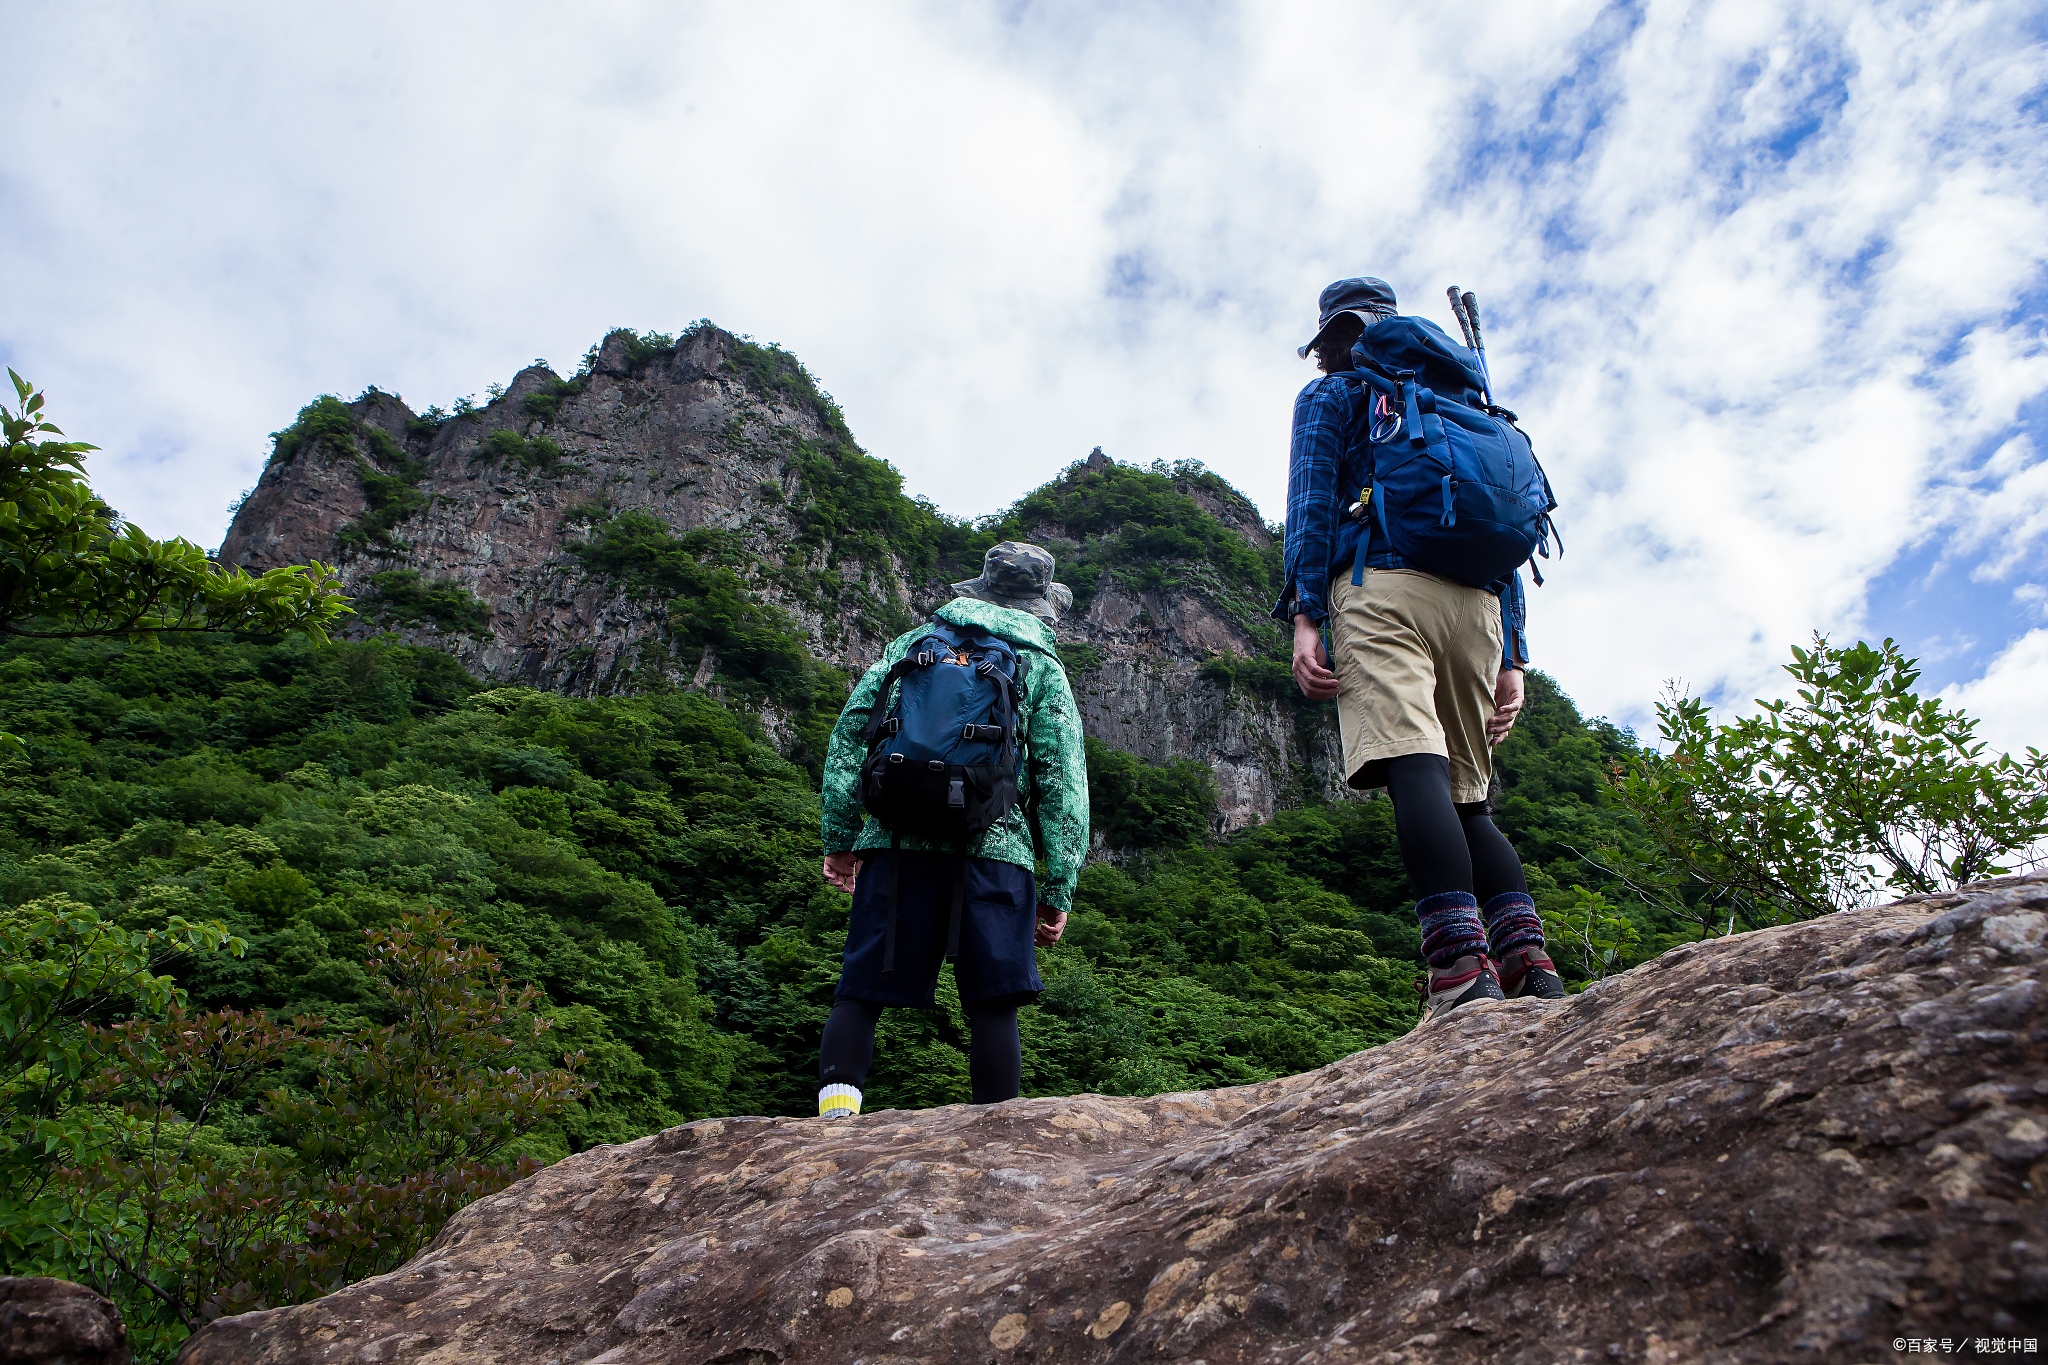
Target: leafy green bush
x=398 y=597
x=70 y=567
x=371 y=1138
x=1079 y=658
x=761 y=654
x=390 y=495
x=776 y=374
x=1135 y=523
x=1261 y=674
x=326 y=420
x=641 y=347
x=1135 y=803
x=427 y=423
x=61 y=964
x=1811 y=805
x=1589 y=937
x=530 y=454
x=547 y=401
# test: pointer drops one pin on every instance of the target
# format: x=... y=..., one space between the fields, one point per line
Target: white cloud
x=1753 y=272
x=2007 y=700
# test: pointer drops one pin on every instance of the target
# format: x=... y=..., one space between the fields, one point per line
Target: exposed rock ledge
x=1793 y=1144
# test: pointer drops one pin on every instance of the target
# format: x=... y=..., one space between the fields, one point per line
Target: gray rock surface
x=686 y=438
x=45 y=1321
x=1796 y=1144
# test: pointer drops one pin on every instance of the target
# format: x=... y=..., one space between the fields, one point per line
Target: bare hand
x=1507 y=704
x=1051 y=924
x=1311 y=665
x=841 y=869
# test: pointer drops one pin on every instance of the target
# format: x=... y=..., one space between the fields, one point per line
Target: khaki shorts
x=1417 y=656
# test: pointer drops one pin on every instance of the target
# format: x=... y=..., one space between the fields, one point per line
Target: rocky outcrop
x=1799 y=1143
x=680 y=435
x=55 y=1322
x=690 y=437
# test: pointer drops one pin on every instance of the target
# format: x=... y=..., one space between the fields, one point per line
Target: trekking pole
x=1479 y=346
x=1458 y=312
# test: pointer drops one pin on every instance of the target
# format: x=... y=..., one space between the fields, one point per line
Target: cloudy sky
x=1766 y=281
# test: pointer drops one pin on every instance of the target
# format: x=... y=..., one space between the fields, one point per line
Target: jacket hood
x=1018 y=627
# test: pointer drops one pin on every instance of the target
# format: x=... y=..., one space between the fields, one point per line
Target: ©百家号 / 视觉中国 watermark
x=1975 y=1346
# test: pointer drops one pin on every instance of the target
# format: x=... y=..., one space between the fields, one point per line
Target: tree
x=60 y=963
x=404 y=1124
x=71 y=566
x=1592 y=939
x=1812 y=805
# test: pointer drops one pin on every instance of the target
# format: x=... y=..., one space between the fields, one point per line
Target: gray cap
x=1372 y=299
x=1019 y=575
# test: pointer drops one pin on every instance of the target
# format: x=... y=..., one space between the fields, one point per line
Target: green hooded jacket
x=1049 y=823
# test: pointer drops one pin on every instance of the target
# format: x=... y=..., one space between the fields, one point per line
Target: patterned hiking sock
x=1511 y=923
x=1450 y=927
x=838 y=1101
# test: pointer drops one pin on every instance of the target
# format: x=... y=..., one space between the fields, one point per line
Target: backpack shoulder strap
x=919 y=656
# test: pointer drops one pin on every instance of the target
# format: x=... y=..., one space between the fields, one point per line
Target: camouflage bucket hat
x=1015 y=574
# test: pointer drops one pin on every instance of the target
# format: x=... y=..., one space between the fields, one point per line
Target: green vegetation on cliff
x=400 y=597
x=651 y=864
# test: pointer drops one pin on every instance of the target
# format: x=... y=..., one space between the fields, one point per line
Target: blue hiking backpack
x=942 y=761
x=1456 y=488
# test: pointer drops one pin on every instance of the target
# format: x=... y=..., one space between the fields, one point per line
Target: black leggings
x=1444 y=846
x=995 y=1056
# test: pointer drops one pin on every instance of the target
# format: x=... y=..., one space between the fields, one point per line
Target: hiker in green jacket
x=917 y=897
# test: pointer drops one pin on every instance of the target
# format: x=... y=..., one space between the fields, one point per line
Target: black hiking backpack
x=942 y=761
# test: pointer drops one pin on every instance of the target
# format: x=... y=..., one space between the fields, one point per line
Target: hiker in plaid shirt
x=1427 y=676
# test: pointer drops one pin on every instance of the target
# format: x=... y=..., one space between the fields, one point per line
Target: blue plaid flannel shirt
x=1325 y=470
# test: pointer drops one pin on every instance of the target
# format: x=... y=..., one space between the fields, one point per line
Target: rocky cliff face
x=704 y=435
x=1797 y=1144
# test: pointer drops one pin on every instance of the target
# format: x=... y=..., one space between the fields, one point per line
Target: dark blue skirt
x=997 y=918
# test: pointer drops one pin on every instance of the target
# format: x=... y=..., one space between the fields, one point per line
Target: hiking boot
x=1469 y=978
x=1526 y=973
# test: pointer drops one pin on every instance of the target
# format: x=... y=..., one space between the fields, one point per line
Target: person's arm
x=1509 y=687
x=840 y=816
x=1059 y=791
x=1322 y=414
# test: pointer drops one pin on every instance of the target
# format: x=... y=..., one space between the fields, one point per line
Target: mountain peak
x=472 y=530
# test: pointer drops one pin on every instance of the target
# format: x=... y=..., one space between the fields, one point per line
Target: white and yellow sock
x=838 y=1101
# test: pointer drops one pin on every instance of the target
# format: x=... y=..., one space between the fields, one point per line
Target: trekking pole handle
x=1458 y=312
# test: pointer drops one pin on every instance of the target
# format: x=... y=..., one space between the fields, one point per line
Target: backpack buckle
x=895 y=758
x=925 y=658
x=986 y=666
x=970 y=732
x=956 y=797
x=937 y=765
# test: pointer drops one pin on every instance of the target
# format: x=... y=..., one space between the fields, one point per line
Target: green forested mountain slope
x=651 y=864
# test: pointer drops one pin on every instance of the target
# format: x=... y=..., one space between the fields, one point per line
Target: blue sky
x=1765 y=280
